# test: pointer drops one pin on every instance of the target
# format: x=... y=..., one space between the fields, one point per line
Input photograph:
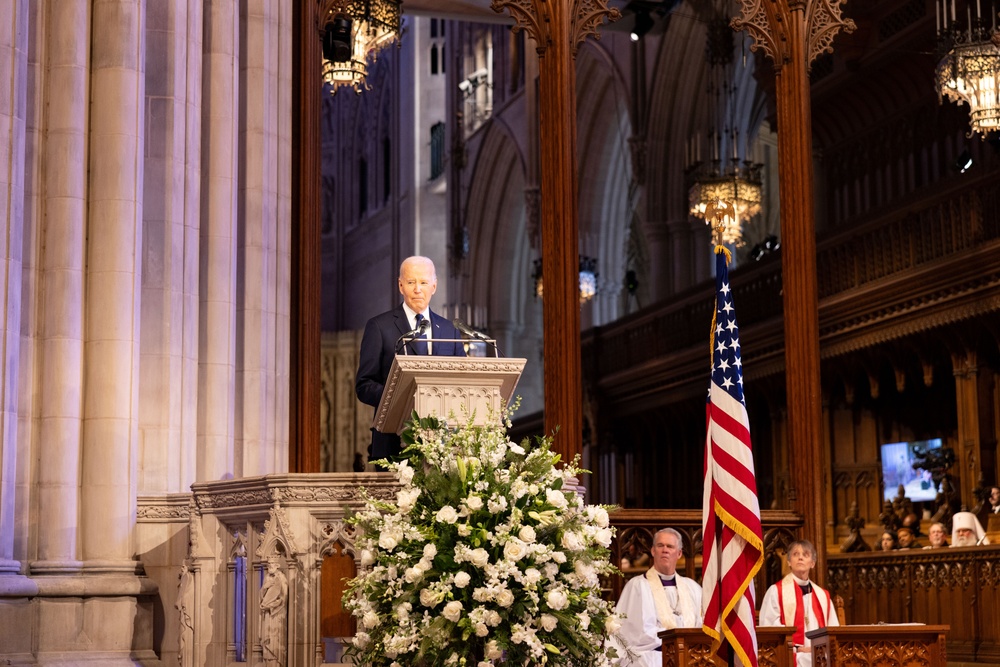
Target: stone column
x=167 y=316
x=257 y=317
x=217 y=290
x=60 y=319
x=114 y=276
x=13 y=94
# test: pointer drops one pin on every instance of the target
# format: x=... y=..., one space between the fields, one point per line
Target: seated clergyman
x=660 y=600
x=796 y=601
x=966 y=531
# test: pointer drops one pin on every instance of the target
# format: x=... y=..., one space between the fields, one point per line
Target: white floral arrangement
x=484 y=559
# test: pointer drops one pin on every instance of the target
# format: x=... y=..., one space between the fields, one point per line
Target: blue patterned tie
x=420 y=344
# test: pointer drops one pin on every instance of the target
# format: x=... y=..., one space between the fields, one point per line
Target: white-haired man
x=660 y=600
x=796 y=601
x=966 y=531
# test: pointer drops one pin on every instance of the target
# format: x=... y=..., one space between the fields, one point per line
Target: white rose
x=413 y=574
x=479 y=557
x=603 y=537
x=367 y=558
x=505 y=598
x=370 y=620
x=430 y=551
x=559 y=557
x=403 y=611
x=532 y=576
x=447 y=514
x=429 y=598
x=492 y=650
x=551 y=570
x=555 y=498
x=387 y=541
x=571 y=541
x=462 y=579
x=557 y=599
x=514 y=550
x=481 y=630
x=361 y=639
x=613 y=624
x=474 y=503
x=452 y=611
x=584 y=620
x=549 y=622
x=493 y=618
x=406 y=498
x=527 y=534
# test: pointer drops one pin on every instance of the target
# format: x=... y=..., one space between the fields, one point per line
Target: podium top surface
x=409 y=371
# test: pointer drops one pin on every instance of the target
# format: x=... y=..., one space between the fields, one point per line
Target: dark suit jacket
x=378 y=348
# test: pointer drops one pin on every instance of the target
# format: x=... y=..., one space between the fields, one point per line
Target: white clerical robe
x=771 y=611
x=641 y=625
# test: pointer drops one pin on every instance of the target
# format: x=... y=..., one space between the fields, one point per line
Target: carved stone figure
x=184 y=606
x=273 y=615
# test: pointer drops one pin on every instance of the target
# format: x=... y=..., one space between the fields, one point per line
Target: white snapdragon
x=532 y=576
x=559 y=557
x=571 y=541
x=613 y=624
x=367 y=558
x=464 y=530
x=369 y=620
x=517 y=449
x=497 y=504
x=584 y=619
x=598 y=515
x=405 y=473
x=361 y=639
x=407 y=498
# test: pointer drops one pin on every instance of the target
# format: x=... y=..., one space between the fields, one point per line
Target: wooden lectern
x=452 y=388
x=888 y=645
x=691 y=647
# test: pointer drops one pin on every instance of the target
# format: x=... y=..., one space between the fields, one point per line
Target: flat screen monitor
x=897 y=468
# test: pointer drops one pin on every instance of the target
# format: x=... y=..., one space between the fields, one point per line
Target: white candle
x=954 y=16
x=937 y=16
x=968 y=11
x=979 y=10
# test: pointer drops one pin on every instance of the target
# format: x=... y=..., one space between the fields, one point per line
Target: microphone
x=469 y=331
x=421 y=329
x=477 y=335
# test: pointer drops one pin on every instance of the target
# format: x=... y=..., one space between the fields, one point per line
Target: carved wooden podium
x=452 y=388
x=691 y=647
x=882 y=645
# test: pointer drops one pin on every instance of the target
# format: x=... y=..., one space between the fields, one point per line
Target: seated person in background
x=907 y=539
x=936 y=536
x=966 y=531
x=888 y=541
x=798 y=602
x=660 y=600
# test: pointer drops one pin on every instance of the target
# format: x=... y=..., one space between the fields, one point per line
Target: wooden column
x=558 y=27
x=793 y=33
x=968 y=466
x=304 y=369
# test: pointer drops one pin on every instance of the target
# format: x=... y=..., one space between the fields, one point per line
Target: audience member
x=966 y=531
x=889 y=541
x=798 y=602
x=907 y=538
x=936 y=536
x=660 y=600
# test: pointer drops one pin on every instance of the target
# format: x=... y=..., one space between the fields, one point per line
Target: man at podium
x=409 y=328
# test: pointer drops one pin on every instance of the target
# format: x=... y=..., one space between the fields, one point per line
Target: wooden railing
x=955 y=587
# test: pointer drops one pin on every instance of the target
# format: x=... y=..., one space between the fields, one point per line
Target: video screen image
x=897 y=468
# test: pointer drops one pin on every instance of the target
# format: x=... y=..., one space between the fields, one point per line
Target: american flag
x=733 y=547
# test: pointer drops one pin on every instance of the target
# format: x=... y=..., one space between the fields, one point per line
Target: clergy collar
x=800 y=582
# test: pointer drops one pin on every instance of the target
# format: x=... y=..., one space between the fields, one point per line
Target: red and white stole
x=791 y=607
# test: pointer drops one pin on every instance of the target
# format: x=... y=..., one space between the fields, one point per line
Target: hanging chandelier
x=969 y=69
x=353 y=32
x=724 y=192
x=588 y=278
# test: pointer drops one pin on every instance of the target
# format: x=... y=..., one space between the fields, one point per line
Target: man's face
x=801 y=560
x=965 y=537
x=936 y=535
x=417 y=283
x=665 y=552
x=905 y=538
